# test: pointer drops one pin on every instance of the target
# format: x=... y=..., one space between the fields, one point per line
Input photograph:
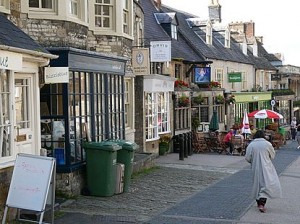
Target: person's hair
x=259 y=134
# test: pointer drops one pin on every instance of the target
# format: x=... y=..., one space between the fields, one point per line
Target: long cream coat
x=260 y=154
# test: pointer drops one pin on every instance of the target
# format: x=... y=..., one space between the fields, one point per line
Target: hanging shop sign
x=140 y=61
x=10 y=60
x=235 y=77
x=56 y=75
x=160 y=51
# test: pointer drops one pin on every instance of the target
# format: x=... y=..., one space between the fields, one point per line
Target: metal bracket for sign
x=41 y=214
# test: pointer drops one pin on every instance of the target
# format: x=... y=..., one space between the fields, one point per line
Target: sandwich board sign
x=30 y=185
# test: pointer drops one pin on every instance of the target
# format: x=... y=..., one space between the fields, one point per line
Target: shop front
x=153 y=110
x=248 y=101
x=84 y=102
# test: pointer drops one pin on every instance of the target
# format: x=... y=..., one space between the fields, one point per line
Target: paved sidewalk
x=286 y=209
x=203 y=188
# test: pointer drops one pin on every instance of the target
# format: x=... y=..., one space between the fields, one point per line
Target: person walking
x=260 y=154
x=294 y=128
x=298 y=136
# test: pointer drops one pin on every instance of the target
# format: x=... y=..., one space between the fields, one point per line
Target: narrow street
x=204 y=188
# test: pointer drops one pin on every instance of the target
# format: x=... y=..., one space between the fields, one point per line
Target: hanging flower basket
x=213 y=84
x=197 y=100
x=180 y=84
x=219 y=99
x=183 y=101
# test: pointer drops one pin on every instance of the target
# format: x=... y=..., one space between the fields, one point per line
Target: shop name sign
x=235 y=77
x=140 y=61
x=10 y=60
x=160 y=51
x=56 y=75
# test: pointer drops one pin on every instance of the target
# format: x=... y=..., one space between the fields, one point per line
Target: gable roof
x=155 y=32
x=12 y=36
x=216 y=50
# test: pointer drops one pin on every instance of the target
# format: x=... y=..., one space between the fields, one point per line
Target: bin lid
x=104 y=145
x=127 y=145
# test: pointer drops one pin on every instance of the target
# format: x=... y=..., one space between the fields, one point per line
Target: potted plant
x=183 y=101
x=195 y=123
x=198 y=100
x=220 y=99
x=164 y=143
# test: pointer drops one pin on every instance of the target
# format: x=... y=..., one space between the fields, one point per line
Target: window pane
x=34 y=3
x=5 y=121
x=47 y=4
x=21 y=99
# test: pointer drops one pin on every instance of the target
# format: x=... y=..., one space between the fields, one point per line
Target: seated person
x=227 y=140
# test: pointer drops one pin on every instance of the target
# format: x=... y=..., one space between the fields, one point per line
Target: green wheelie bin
x=126 y=155
x=101 y=158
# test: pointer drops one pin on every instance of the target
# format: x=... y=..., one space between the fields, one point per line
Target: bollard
x=176 y=145
x=181 y=150
x=190 y=143
x=185 y=145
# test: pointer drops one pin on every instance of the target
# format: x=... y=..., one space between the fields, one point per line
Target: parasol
x=262 y=114
x=246 y=126
x=214 y=122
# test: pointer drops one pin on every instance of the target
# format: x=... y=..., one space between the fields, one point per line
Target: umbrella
x=246 y=127
x=214 y=122
x=262 y=114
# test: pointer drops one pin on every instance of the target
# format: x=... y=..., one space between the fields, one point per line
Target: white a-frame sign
x=33 y=180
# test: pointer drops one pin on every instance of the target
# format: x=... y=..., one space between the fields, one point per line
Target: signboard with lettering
x=235 y=77
x=56 y=75
x=10 y=61
x=160 y=51
x=140 y=61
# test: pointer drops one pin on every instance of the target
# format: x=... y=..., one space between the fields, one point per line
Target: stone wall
x=5 y=178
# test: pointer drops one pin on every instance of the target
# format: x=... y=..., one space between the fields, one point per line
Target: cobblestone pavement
x=149 y=194
x=205 y=188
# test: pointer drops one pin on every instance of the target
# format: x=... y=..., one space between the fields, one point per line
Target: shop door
x=24 y=114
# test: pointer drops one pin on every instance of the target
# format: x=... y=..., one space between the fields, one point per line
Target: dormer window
x=168 y=22
x=202 y=28
x=208 y=34
x=227 y=38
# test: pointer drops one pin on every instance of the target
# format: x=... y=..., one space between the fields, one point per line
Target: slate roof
x=216 y=50
x=12 y=36
x=261 y=61
x=155 y=32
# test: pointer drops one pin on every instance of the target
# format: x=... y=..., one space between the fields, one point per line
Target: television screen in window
x=202 y=75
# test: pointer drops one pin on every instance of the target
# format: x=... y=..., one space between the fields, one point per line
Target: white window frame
x=244 y=81
x=74 y=8
x=151 y=116
x=163 y=112
x=208 y=34
x=173 y=31
x=128 y=101
x=219 y=75
x=110 y=16
x=227 y=38
x=126 y=20
x=6 y=123
x=40 y=8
